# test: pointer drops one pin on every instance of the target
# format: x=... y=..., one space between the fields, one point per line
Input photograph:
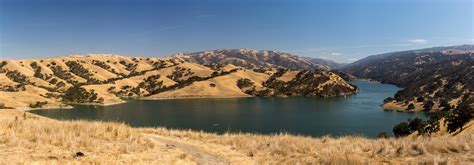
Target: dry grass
x=30 y=138
x=27 y=138
x=290 y=149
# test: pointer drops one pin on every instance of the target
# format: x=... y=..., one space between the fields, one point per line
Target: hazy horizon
x=128 y=55
x=342 y=31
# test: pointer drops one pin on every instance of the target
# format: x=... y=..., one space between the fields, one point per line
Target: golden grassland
x=115 y=67
x=28 y=138
x=290 y=149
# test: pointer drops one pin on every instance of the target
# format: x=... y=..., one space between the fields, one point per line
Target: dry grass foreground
x=28 y=138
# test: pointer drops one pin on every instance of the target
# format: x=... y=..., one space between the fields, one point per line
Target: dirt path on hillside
x=201 y=156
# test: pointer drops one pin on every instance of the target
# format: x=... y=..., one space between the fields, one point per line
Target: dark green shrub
x=2 y=106
x=459 y=117
x=428 y=105
x=17 y=77
x=2 y=64
x=388 y=99
x=432 y=125
x=419 y=99
x=38 y=74
x=78 y=69
x=417 y=124
x=247 y=86
x=58 y=71
x=259 y=70
x=382 y=135
x=38 y=104
x=401 y=129
x=78 y=94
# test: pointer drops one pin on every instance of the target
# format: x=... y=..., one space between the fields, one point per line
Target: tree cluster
x=77 y=94
x=38 y=104
x=2 y=64
x=17 y=77
x=247 y=86
x=150 y=83
x=58 y=71
x=78 y=69
x=454 y=120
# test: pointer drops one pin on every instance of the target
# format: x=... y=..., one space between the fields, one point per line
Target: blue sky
x=334 y=29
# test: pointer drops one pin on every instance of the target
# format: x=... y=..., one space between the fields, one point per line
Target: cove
x=357 y=114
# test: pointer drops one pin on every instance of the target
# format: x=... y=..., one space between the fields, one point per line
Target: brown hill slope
x=104 y=79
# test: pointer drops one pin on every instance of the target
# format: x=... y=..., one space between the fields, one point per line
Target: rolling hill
x=439 y=78
x=104 y=79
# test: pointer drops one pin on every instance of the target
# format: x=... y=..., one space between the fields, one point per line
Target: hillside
x=257 y=59
x=439 y=78
x=105 y=79
x=87 y=142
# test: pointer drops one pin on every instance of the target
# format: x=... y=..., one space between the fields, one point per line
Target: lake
x=358 y=114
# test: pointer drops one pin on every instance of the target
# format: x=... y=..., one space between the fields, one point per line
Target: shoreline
x=194 y=97
x=99 y=104
x=26 y=109
x=71 y=105
x=369 y=80
x=393 y=106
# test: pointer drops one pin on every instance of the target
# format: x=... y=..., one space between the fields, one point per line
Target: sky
x=340 y=30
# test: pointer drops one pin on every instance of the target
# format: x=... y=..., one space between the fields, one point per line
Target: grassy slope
x=25 y=137
x=114 y=67
x=28 y=138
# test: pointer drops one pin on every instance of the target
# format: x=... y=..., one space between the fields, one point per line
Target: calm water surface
x=357 y=114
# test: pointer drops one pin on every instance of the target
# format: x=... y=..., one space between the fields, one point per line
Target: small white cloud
x=352 y=59
x=418 y=41
x=336 y=54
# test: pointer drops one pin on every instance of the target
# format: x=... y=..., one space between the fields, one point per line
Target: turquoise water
x=357 y=114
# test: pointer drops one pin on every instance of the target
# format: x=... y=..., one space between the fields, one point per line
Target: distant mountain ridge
x=438 y=78
x=369 y=59
x=258 y=59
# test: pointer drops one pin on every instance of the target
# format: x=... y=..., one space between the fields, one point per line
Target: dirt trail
x=199 y=155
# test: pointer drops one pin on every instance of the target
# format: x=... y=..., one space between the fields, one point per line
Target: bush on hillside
x=78 y=94
x=428 y=105
x=382 y=135
x=2 y=64
x=417 y=124
x=2 y=106
x=38 y=104
x=247 y=86
x=433 y=123
x=17 y=77
x=58 y=71
x=410 y=107
x=457 y=118
x=150 y=83
x=79 y=70
x=212 y=85
x=37 y=70
x=401 y=129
